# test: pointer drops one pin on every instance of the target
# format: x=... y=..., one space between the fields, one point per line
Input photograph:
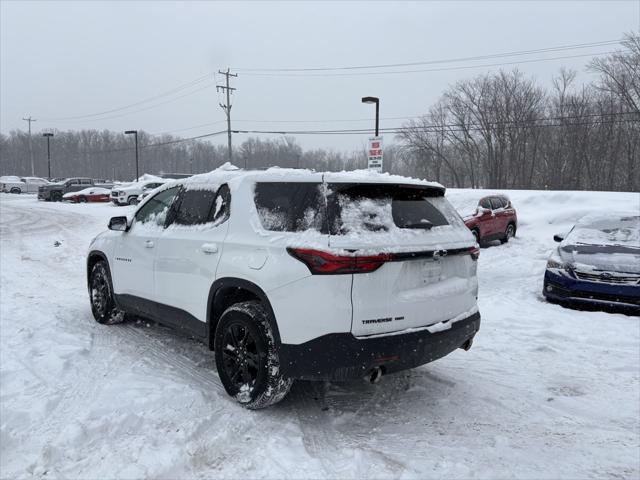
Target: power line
x=151 y=107
x=453 y=126
x=126 y=107
x=444 y=69
x=334 y=120
x=154 y=145
x=431 y=62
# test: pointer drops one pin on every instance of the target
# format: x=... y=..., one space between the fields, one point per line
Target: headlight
x=558 y=265
x=555 y=262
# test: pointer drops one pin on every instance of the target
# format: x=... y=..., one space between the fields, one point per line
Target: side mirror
x=558 y=237
x=119 y=224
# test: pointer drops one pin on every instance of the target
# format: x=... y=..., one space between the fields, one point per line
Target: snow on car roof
x=229 y=172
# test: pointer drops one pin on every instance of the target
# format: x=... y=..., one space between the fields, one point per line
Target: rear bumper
x=341 y=356
x=563 y=289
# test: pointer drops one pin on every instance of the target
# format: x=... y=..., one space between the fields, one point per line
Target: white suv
x=132 y=193
x=290 y=274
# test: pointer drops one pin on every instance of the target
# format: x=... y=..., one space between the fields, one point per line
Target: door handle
x=209 y=248
x=148 y=244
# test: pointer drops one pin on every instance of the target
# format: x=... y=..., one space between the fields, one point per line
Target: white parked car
x=290 y=274
x=132 y=193
x=13 y=184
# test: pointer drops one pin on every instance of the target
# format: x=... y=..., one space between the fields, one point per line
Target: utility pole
x=29 y=119
x=227 y=106
x=48 y=136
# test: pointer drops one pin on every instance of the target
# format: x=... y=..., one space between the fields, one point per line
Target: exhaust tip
x=466 y=346
x=374 y=375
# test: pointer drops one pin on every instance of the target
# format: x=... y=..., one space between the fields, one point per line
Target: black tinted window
x=290 y=207
x=485 y=203
x=157 y=208
x=195 y=207
x=221 y=205
x=496 y=203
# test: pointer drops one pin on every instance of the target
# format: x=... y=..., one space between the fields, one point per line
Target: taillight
x=474 y=252
x=325 y=263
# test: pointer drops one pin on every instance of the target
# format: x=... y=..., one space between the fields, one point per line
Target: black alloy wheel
x=103 y=306
x=247 y=358
x=241 y=360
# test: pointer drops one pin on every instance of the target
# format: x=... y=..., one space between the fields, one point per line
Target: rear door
x=501 y=217
x=429 y=275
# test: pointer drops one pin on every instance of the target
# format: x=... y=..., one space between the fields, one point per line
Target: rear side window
x=380 y=208
x=290 y=207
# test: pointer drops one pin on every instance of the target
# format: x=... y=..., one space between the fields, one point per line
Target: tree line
x=498 y=130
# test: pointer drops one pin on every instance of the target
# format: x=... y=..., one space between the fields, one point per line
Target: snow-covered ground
x=545 y=392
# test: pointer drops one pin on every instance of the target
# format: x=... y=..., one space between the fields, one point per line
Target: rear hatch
x=427 y=257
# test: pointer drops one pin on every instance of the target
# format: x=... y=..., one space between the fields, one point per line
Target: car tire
x=15 y=190
x=103 y=306
x=476 y=235
x=509 y=233
x=246 y=356
x=56 y=196
x=82 y=200
x=133 y=201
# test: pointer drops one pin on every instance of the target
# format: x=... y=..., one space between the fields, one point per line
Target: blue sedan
x=597 y=264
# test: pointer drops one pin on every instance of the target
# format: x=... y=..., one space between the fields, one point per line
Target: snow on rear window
x=361 y=208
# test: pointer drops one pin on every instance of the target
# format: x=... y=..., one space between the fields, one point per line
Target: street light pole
x=48 y=136
x=135 y=133
x=375 y=100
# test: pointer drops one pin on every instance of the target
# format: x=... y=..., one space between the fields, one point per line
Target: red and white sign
x=374 y=154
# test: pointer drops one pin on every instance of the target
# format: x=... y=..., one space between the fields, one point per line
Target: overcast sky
x=70 y=59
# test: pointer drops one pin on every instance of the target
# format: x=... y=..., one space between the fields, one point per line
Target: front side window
x=485 y=203
x=86 y=181
x=155 y=211
x=195 y=207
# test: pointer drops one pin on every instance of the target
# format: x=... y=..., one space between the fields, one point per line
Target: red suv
x=494 y=219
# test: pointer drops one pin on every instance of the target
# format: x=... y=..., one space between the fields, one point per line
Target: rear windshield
x=380 y=208
x=346 y=209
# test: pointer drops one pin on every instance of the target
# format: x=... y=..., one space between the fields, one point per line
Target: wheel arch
x=94 y=257
x=226 y=291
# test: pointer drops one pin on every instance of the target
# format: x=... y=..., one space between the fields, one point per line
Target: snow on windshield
x=622 y=230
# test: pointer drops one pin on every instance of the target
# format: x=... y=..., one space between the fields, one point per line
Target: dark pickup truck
x=54 y=191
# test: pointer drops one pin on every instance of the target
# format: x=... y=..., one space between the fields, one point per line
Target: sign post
x=374 y=154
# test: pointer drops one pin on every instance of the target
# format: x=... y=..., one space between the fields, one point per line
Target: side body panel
x=185 y=266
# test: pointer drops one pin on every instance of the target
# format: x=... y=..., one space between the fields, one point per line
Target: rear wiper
x=427 y=225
